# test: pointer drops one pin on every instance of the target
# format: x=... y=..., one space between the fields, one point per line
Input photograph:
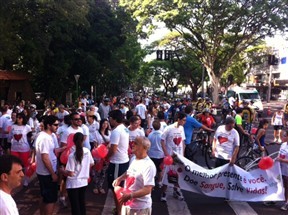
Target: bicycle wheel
x=246 y=163
x=209 y=159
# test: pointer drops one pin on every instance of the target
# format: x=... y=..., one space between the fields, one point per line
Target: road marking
x=241 y=208
x=109 y=203
x=175 y=206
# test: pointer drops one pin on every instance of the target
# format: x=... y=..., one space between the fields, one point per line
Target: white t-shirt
x=140 y=173
x=70 y=130
x=7 y=204
x=155 y=150
x=4 y=123
x=101 y=140
x=93 y=128
x=136 y=133
x=61 y=115
x=174 y=138
x=141 y=110
x=81 y=171
x=163 y=125
x=61 y=130
x=19 y=141
x=283 y=153
x=226 y=141
x=278 y=119
x=45 y=144
x=120 y=137
x=86 y=133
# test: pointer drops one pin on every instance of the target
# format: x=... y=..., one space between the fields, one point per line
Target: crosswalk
x=27 y=200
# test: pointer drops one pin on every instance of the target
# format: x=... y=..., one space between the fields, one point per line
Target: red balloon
x=95 y=153
x=31 y=170
x=70 y=141
x=118 y=192
x=266 y=163
x=168 y=160
x=102 y=151
x=64 y=156
x=253 y=131
x=99 y=165
x=33 y=166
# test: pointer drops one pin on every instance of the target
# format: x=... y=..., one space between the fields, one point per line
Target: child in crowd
x=156 y=152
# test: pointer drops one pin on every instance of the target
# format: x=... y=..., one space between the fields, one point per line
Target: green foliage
x=54 y=40
x=216 y=30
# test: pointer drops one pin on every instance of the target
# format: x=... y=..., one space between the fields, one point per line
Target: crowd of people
x=138 y=134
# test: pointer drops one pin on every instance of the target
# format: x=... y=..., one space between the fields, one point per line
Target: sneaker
x=163 y=197
x=178 y=195
x=269 y=203
x=160 y=184
x=275 y=140
x=284 y=207
x=63 y=202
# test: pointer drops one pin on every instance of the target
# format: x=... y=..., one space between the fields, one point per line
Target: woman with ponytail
x=77 y=172
x=260 y=135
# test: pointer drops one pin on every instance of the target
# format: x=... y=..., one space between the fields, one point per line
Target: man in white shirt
x=139 y=179
x=141 y=110
x=46 y=160
x=11 y=175
x=5 y=122
x=118 y=151
x=61 y=114
x=226 y=143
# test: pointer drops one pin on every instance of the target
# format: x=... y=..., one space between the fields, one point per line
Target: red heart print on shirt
x=129 y=181
x=17 y=136
x=282 y=156
x=177 y=140
x=222 y=139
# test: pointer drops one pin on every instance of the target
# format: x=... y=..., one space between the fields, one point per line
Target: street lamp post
x=77 y=79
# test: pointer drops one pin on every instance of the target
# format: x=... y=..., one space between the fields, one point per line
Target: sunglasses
x=77 y=119
x=56 y=124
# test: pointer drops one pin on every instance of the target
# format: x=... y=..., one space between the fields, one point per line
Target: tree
x=164 y=74
x=217 y=30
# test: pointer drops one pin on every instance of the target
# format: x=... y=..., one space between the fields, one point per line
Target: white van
x=248 y=94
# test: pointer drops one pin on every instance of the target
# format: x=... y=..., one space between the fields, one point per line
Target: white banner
x=227 y=181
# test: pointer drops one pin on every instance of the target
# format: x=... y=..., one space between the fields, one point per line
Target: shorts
x=5 y=144
x=24 y=156
x=48 y=188
x=114 y=171
x=278 y=127
x=157 y=162
x=129 y=211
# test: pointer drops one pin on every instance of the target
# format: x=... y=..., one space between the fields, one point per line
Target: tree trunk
x=194 y=92
x=214 y=84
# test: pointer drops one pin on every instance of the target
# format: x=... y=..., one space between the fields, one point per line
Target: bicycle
x=201 y=143
x=252 y=155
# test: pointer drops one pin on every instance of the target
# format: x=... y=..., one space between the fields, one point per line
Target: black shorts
x=48 y=188
x=114 y=171
x=5 y=144
x=157 y=162
x=278 y=127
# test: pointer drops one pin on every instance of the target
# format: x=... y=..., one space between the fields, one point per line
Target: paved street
x=27 y=199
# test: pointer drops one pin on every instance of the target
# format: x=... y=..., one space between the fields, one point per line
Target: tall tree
x=218 y=30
